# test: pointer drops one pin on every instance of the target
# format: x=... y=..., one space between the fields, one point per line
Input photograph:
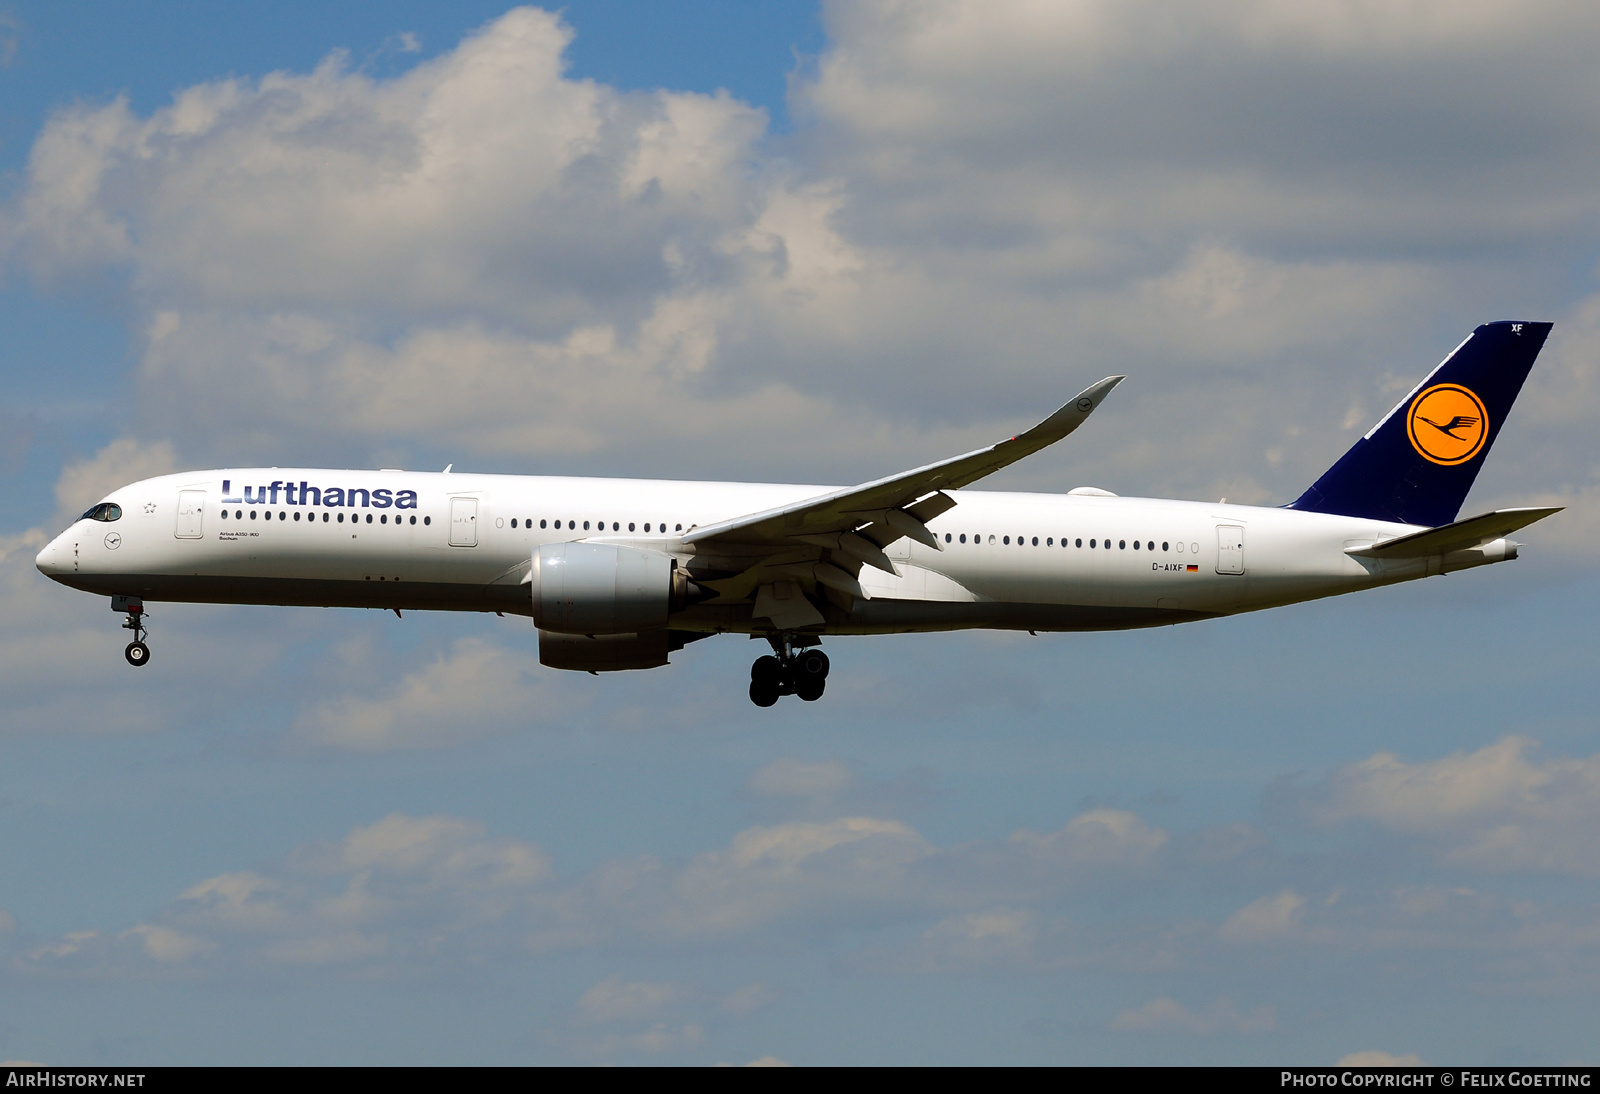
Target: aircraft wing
x=1459 y=536
x=900 y=504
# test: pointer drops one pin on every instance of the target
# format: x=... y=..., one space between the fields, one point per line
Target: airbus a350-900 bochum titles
x=620 y=573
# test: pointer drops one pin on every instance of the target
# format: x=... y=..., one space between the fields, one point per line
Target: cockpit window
x=106 y=511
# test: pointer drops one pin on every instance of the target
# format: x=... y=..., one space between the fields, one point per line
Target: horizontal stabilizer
x=1460 y=536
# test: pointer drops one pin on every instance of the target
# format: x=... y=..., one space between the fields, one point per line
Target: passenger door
x=463 y=522
x=191 y=513
x=1230 y=549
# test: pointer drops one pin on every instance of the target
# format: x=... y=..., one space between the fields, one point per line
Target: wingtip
x=1105 y=387
x=1087 y=400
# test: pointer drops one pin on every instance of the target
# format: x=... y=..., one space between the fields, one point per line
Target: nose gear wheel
x=137 y=653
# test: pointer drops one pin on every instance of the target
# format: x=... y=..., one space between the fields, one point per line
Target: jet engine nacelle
x=604 y=652
x=604 y=588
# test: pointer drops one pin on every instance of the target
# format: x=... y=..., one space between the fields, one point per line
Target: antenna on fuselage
x=447 y=468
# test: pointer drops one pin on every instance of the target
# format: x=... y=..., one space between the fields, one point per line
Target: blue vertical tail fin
x=1417 y=464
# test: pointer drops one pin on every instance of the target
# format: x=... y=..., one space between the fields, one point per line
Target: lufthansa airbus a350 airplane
x=620 y=573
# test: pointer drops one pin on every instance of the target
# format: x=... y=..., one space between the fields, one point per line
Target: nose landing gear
x=137 y=653
x=788 y=671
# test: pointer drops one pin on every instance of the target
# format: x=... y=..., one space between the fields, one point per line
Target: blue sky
x=783 y=243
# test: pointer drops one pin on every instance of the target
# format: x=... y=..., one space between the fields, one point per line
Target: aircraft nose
x=56 y=558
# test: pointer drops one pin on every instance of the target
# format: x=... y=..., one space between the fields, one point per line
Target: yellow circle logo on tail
x=1447 y=424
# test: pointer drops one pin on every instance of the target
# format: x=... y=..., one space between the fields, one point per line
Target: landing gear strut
x=137 y=653
x=788 y=671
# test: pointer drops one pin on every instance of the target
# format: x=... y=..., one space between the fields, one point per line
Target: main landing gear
x=788 y=671
x=137 y=653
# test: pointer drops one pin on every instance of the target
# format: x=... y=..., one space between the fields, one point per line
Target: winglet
x=1077 y=410
x=979 y=464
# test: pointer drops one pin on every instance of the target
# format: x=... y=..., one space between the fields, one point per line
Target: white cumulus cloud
x=1504 y=807
x=485 y=255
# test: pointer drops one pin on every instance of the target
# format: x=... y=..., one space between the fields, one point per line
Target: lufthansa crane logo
x=1447 y=424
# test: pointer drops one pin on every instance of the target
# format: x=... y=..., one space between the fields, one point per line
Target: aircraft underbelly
x=892 y=616
x=377 y=592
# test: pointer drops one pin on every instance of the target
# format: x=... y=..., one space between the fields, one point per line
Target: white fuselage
x=395 y=539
